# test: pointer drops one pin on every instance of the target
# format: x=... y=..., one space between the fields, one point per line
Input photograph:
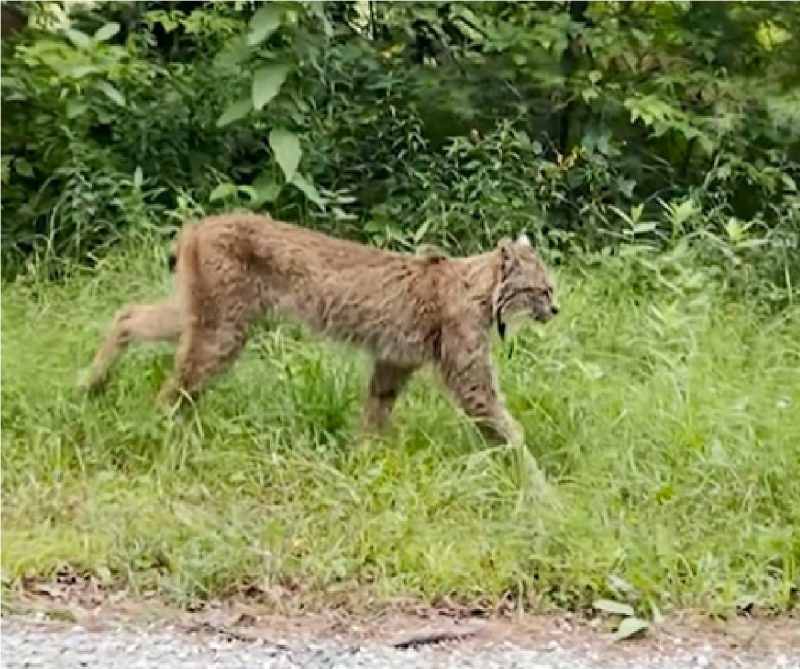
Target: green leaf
x=235 y=111
x=75 y=108
x=236 y=52
x=267 y=81
x=79 y=39
x=113 y=93
x=308 y=189
x=751 y=243
x=630 y=60
x=138 y=178
x=106 y=32
x=79 y=71
x=626 y=187
x=266 y=190
x=683 y=212
x=658 y=618
x=23 y=167
x=249 y=191
x=422 y=230
x=617 y=583
x=342 y=215
x=286 y=147
x=770 y=35
x=264 y=22
x=641 y=228
x=222 y=191
x=630 y=627
x=589 y=94
x=735 y=229
x=610 y=606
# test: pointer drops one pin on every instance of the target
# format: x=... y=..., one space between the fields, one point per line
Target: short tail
x=184 y=260
x=177 y=242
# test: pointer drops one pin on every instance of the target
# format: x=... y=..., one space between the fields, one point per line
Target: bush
x=592 y=125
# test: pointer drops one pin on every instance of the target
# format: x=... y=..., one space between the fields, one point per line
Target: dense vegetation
x=652 y=150
x=591 y=123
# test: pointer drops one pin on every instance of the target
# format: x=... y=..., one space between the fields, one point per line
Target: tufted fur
x=406 y=311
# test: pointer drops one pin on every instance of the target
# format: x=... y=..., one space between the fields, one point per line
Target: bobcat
x=405 y=310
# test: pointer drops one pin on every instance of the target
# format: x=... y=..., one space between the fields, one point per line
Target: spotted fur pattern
x=407 y=311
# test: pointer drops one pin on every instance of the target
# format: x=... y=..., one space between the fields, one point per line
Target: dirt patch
x=71 y=599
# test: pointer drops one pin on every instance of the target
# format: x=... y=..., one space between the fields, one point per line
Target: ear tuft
x=524 y=240
x=506 y=256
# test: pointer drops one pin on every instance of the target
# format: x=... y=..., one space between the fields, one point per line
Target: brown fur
x=406 y=311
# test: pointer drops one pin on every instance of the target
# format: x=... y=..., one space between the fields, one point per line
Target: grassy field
x=667 y=422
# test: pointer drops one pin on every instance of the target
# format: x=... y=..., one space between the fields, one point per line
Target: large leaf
x=267 y=81
x=112 y=93
x=610 y=606
x=106 y=32
x=75 y=108
x=23 y=167
x=286 y=147
x=222 y=191
x=308 y=189
x=78 y=71
x=266 y=189
x=264 y=22
x=79 y=39
x=235 y=111
x=630 y=627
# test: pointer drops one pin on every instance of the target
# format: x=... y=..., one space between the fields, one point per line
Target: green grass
x=668 y=425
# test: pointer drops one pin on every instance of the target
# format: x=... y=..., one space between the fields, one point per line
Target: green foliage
x=286 y=147
x=403 y=122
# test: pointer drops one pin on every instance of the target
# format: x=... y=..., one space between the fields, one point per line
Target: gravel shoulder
x=231 y=639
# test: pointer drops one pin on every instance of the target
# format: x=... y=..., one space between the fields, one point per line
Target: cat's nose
x=553 y=309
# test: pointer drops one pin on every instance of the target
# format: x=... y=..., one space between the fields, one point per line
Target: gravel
x=31 y=644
